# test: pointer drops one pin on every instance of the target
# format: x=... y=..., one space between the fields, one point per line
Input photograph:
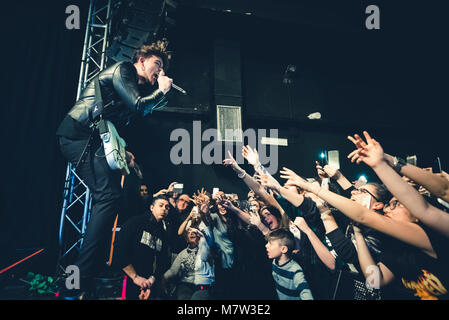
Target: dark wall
x=392 y=82
x=40 y=68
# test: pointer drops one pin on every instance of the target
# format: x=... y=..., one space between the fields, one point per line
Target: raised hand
x=160 y=192
x=294 y=229
x=331 y=171
x=254 y=219
x=200 y=197
x=321 y=173
x=228 y=205
x=171 y=186
x=294 y=180
x=250 y=155
x=370 y=152
x=198 y=232
x=268 y=181
x=230 y=161
x=301 y=224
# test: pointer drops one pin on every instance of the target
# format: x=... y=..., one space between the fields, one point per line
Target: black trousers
x=188 y=291
x=106 y=191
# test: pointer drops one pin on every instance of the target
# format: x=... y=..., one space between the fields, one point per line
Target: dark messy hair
x=161 y=197
x=158 y=49
x=382 y=193
x=285 y=238
x=282 y=219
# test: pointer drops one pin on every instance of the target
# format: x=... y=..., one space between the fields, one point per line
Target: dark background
x=392 y=82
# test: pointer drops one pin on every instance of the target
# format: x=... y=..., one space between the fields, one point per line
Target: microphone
x=178 y=88
x=174 y=86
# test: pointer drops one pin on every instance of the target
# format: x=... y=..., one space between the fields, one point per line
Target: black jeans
x=189 y=291
x=104 y=185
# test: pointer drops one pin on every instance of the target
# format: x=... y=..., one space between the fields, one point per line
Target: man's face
x=160 y=209
x=192 y=237
x=274 y=249
x=143 y=190
x=182 y=202
x=152 y=66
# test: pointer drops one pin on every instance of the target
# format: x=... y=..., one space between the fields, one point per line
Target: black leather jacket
x=121 y=99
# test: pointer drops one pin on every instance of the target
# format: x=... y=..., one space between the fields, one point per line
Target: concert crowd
x=319 y=238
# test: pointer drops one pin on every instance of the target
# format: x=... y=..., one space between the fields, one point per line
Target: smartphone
x=195 y=211
x=366 y=201
x=436 y=165
x=178 y=188
x=334 y=159
x=215 y=191
x=323 y=158
x=412 y=160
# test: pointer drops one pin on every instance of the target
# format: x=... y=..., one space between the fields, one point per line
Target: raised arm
x=436 y=183
x=258 y=189
x=125 y=84
x=372 y=154
x=269 y=182
x=369 y=267
x=329 y=171
x=321 y=250
x=183 y=225
x=407 y=232
x=244 y=216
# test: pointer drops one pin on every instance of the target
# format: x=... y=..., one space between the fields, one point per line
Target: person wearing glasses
x=413 y=263
x=351 y=282
x=372 y=196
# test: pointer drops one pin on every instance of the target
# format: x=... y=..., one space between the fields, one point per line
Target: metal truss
x=77 y=201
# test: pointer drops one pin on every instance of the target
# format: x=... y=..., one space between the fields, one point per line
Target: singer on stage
x=120 y=88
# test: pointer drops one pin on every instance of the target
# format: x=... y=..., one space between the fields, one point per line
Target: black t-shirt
x=175 y=218
x=417 y=275
x=140 y=241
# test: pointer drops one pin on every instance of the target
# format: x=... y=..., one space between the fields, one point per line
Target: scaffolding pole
x=76 y=193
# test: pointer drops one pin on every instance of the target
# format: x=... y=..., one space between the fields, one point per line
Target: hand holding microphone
x=166 y=83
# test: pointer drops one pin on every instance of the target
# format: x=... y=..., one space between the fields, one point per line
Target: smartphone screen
x=436 y=166
x=334 y=159
x=412 y=160
x=178 y=188
x=366 y=202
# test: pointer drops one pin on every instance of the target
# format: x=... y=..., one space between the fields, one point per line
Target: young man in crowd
x=141 y=242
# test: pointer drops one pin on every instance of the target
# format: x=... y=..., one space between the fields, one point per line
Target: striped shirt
x=290 y=281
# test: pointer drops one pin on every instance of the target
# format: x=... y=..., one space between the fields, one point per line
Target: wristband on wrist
x=242 y=175
x=398 y=163
x=260 y=167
